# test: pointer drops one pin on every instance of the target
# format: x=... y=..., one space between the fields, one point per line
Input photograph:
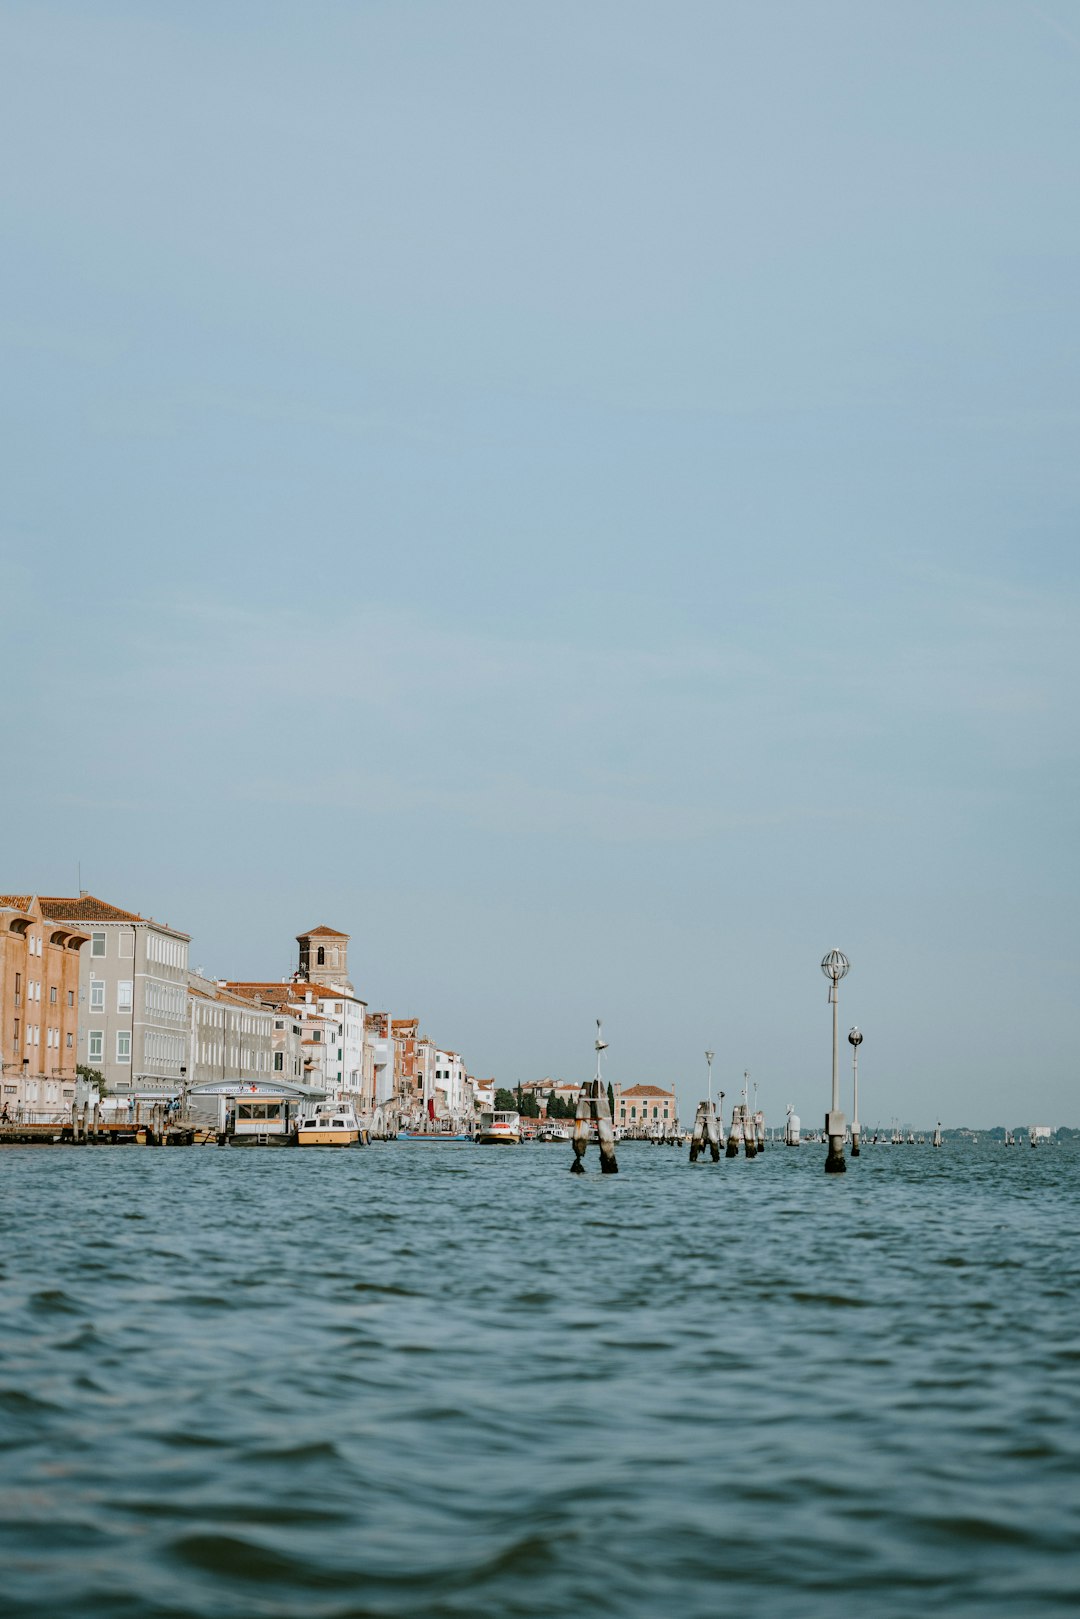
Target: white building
x=449 y=1079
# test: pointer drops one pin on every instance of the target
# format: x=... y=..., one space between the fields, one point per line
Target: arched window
x=320 y=957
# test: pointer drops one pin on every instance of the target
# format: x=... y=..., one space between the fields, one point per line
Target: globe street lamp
x=709 y=1055
x=835 y=966
x=856 y=1041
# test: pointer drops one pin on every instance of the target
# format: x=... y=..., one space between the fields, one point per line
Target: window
x=16 y=1034
x=70 y=1040
x=97 y=944
x=95 y=1043
x=52 y=994
x=18 y=989
x=123 y=995
x=97 y=994
x=279 y=1061
x=320 y=957
x=123 y=1046
x=71 y=997
x=317 y=1035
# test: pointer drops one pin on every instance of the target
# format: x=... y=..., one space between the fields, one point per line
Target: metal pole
x=834 y=966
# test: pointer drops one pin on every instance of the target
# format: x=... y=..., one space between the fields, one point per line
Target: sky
x=581 y=497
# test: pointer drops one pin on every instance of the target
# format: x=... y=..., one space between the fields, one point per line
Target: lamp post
x=855 y=1038
x=709 y=1055
x=835 y=966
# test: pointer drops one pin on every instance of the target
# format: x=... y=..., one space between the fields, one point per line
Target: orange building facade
x=39 y=1011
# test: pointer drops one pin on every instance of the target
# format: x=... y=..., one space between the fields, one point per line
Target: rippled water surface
x=455 y=1381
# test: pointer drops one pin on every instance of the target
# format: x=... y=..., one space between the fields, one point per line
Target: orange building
x=39 y=1010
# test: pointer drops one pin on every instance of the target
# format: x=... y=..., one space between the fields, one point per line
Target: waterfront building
x=645 y=1109
x=328 y=1014
x=324 y=964
x=133 y=1001
x=449 y=1083
x=385 y=1050
x=39 y=1009
x=480 y=1095
x=232 y=1037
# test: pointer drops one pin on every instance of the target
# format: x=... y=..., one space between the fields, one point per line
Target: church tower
x=324 y=957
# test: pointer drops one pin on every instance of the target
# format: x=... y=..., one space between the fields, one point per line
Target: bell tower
x=324 y=957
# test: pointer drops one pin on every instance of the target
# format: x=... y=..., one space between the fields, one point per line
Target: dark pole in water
x=856 y=1041
x=835 y=965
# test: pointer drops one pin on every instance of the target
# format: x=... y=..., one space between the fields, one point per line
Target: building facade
x=646 y=1110
x=449 y=1083
x=231 y=1038
x=133 y=1001
x=39 y=1010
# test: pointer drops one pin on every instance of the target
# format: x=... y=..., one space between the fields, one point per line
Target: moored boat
x=499 y=1129
x=332 y=1125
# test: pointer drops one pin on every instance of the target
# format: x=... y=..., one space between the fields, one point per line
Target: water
x=462 y=1382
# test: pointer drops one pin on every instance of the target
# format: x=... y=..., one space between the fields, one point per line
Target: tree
x=611 y=1098
x=505 y=1101
x=528 y=1106
x=93 y=1076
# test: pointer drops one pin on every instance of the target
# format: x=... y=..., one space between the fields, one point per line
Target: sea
x=447 y=1381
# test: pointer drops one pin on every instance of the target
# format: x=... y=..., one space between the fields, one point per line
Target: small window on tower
x=320 y=957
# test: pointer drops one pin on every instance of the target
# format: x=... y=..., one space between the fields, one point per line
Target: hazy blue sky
x=582 y=496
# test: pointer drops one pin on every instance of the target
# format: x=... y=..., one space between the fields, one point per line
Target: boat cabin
x=265 y=1116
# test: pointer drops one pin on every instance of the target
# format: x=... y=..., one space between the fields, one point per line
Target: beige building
x=39 y=1010
x=133 y=1007
x=645 y=1109
x=232 y=1038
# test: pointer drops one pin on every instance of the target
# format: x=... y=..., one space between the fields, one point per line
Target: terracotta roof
x=294 y=991
x=220 y=996
x=85 y=908
x=17 y=902
x=646 y=1090
x=322 y=933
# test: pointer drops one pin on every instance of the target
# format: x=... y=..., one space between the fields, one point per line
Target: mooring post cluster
x=593 y=1109
x=706 y=1131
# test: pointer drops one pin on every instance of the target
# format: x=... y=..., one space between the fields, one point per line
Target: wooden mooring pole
x=593 y=1109
x=705 y=1133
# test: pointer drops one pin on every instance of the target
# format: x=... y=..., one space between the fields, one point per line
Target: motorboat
x=333 y=1124
x=499 y=1130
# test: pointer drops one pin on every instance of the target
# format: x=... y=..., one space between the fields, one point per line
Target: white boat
x=334 y=1124
x=499 y=1129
